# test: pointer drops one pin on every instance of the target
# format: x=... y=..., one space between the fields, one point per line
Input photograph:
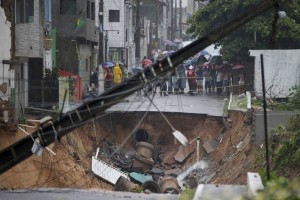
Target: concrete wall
x=5 y=45
x=282 y=71
x=275 y=118
x=85 y=51
x=29 y=37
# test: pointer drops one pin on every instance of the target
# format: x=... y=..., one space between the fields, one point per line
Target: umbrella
x=109 y=64
x=146 y=62
x=204 y=53
x=238 y=66
x=120 y=63
x=225 y=67
x=136 y=70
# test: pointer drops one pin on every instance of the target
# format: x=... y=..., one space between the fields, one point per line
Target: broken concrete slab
x=156 y=170
x=169 y=157
x=173 y=172
x=142 y=163
x=210 y=145
x=140 y=178
x=183 y=152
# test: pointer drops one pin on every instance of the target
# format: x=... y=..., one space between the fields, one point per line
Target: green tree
x=235 y=46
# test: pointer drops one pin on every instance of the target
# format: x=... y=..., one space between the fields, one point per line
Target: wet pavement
x=211 y=105
x=73 y=194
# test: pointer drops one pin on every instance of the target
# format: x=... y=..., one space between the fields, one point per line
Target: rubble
x=173 y=172
x=169 y=185
x=7 y=116
x=140 y=178
x=210 y=145
x=124 y=184
x=183 y=152
x=151 y=187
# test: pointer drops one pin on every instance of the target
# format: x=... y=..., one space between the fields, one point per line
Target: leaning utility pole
x=137 y=32
x=100 y=44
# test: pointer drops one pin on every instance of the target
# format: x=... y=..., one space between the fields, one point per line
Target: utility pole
x=172 y=21
x=180 y=19
x=137 y=32
x=100 y=33
x=156 y=24
x=175 y=18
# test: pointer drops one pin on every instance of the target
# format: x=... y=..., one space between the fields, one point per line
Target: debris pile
x=7 y=116
x=159 y=169
x=147 y=168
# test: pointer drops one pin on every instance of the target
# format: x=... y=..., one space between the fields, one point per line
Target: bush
x=280 y=188
x=294 y=98
x=297 y=158
x=293 y=123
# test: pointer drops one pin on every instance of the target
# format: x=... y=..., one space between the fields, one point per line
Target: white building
x=6 y=78
x=114 y=29
x=282 y=71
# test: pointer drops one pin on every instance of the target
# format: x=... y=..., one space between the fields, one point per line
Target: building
x=76 y=42
x=7 y=73
x=114 y=30
x=29 y=40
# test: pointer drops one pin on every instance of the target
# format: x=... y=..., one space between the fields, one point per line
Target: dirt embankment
x=70 y=168
x=234 y=156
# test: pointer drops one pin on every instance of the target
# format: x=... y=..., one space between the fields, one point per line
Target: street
x=211 y=105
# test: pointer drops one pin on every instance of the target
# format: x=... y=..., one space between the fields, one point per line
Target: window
x=114 y=16
x=24 y=11
x=68 y=7
x=93 y=10
x=88 y=11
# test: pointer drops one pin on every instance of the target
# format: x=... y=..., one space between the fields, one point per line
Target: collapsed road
x=53 y=130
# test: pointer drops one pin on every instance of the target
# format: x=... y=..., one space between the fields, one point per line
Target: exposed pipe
x=198 y=149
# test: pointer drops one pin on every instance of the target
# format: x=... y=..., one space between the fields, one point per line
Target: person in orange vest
x=117 y=74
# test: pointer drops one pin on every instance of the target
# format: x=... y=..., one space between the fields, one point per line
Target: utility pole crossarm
x=21 y=150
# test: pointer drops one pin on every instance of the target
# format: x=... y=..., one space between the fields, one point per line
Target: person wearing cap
x=191 y=76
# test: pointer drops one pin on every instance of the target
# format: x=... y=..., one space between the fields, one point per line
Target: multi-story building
x=5 y=56
x=76 y=40
x=114 y=30
x=29 y=40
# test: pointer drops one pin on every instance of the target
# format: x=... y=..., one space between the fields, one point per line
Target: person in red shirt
x=191 y=76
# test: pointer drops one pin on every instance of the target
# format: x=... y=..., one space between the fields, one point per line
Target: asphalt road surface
x=71 y=194
x=212 y=105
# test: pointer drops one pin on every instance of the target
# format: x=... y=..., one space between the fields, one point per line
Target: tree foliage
x=235 y=46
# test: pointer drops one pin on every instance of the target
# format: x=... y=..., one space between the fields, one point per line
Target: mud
x=70 y=168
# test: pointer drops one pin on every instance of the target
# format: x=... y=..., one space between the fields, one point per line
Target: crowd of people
x=111 y=75
x=201 y=79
